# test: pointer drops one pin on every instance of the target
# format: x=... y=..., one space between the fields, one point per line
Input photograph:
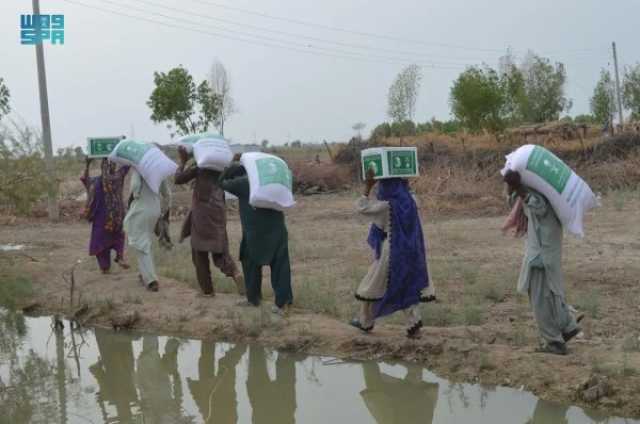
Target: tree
x=602 y=103
x=5 y=95
x=380 y=132
x=544 y=98
x=585 y=119
x=478 y=100
x=265 y=144
x=631 y=90
x=221 y=89
x=358 y=127
x=512 y=82
x=23 y=179
x=403 y=94
x=177 y=100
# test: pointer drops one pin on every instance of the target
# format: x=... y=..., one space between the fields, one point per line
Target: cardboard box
x=101 y=147
x=390 y=162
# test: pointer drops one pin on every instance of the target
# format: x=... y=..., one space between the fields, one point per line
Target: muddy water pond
x=100 y=376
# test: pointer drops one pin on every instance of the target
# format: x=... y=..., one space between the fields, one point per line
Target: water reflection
x=215 y=393
x=160 y=395
x=272 y=401
x=392 y=400
x=114 y=373
x=105 y=377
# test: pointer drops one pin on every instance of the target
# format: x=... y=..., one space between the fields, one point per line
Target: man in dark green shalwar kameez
x=264 y=241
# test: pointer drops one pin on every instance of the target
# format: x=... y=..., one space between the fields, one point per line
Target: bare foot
x=239 y=280
x=106 y=271
x=123 y=264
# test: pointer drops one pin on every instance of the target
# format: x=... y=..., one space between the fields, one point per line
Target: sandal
x=414 y=331
x=357 y=324
x=153 y=286
x=554 y=348
x=427 y=299
x=571 y=334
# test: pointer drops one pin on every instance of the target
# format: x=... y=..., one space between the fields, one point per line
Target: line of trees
x=516 y=93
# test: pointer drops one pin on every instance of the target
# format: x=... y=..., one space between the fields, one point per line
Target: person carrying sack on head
x=265 y=241
x=206 y=224
x=541 y=272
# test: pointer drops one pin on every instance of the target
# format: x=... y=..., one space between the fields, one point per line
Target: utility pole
x=52 y=189
x=618 y=96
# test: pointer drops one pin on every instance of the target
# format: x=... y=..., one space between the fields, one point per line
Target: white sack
x=569 y=195
x=212 y=153
x=150 y=162
x=187 y=141
x=270 y=181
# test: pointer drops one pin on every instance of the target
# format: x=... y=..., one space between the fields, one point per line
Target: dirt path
x=479 y=332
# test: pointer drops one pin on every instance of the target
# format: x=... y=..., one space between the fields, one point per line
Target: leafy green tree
x=403 y=129
x=544 y=97
x=403 y=94
x=512 y=82
x=602 y=103
x=382 y=131
x=631 y=90
x=4 y=99
x=178 y=101
x=585 y=119
x=477 y=100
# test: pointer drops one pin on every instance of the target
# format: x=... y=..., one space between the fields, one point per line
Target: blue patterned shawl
x=407 y=263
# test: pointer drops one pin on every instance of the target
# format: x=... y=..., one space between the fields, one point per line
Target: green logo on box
x=131 y=150
x=273 y=171
x=102 y=146
x=402 y=163
x=548 y=167
x=373 y=161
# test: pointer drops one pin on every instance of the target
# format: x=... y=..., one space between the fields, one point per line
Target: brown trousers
x=223 y=261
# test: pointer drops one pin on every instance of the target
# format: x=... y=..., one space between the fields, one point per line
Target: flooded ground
x=99 y=376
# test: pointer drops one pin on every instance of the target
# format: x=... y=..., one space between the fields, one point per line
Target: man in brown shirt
x=206 y=224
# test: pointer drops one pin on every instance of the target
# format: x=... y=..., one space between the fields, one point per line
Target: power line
x=312 y=38
x=271 y=39
x=368 y=34
x=343 y=30
x=309 y=48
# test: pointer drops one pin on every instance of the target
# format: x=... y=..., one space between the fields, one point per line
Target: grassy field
x=480 y=329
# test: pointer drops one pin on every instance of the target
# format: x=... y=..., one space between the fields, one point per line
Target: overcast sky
x=320 y=83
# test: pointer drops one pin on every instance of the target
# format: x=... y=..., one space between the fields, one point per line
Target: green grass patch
x=14 y=291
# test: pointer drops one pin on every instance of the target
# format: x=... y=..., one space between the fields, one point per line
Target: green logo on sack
x=273 y=171
x=402 y=163
x=373 y=161
x=548 y=167
x=133 y=151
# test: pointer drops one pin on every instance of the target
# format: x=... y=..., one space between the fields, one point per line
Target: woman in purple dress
x=105 y=211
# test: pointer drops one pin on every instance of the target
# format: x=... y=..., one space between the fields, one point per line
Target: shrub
x=23 y=179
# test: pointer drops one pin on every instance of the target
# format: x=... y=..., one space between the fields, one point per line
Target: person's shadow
x=215 y=393
x=392 y=400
